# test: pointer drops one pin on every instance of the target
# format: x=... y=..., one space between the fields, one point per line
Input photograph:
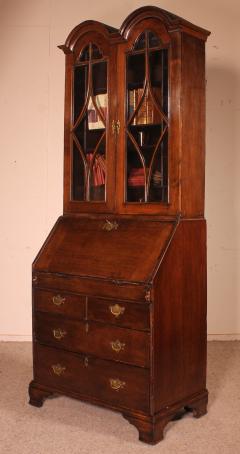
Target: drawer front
x=105 y=341
x=58 y=302
x=131 y=315
x=91 y=286
x=113 y=383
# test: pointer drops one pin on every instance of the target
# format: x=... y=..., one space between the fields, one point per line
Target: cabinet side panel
x=193 y=126
x=179 y=364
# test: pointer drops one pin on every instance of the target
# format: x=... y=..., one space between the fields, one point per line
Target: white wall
x=31 y=143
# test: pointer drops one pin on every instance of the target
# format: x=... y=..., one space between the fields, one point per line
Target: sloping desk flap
x=85 y=247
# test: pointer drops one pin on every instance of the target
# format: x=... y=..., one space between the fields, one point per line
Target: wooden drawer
x=121 y=313
x=112 y=383
x=105 y=341
x=91 y=286
x=59 y=302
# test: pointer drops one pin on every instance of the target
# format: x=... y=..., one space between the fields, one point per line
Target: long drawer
x=91 y=286
x=104 y=341
x=109 y=382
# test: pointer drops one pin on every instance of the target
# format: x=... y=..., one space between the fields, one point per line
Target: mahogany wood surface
x=94 y=338
x=119 y=287
x=179 y=311
x=66 y=304
x=92 y=377
x=84 y=248
x=135 y=316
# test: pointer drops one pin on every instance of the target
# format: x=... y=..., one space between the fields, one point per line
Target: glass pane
x=135 y=175
x=98 y=173
x=84 y=56
x=96 y=52
x=135 y=70
x=135 y=81
x=147 y=112
x=146 y=139
x=158 y=188
x=80 y=89
x=89 y=123
x=158 y=63
x=99 y=77
x=78 y=175
x=147 y=124
x=140 y=43
x=153 y=40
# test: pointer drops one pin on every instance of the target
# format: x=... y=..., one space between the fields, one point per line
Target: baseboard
x=28 y=337
x=15 y=338
x=223 y=337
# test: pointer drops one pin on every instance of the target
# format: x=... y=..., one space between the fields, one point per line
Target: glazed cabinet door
x=148 y=115
x=89 y=139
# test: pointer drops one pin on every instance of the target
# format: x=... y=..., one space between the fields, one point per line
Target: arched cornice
x=171 y=22
x=85 y=27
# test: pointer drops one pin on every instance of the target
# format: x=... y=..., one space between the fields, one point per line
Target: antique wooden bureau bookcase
x=119 y=286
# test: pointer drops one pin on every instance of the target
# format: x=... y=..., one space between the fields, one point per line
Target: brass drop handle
x=59 y=333
x=58 y=300
x=117 y=310
x=116 y=384
x=58 y=369
x=117 y=346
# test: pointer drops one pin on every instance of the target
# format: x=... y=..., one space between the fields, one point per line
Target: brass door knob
x=58 y=369
x=117 y=346
x=59 y=333
x=117 y=310
x=116 y=384
x=58 y=300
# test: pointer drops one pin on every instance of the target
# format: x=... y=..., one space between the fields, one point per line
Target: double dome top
x=171 y=22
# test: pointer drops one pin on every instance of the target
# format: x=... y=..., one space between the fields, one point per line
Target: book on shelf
x=94 y=119
x=147 y=113
x=137 y=178
x=98 y=169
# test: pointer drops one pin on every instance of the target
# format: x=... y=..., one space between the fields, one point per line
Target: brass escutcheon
x=59 y=333
x=117 y=126
x=58 y=369
x=58 y=300
x=117 y=346
x=108 y=225
x=116 y=384
x=117 y=310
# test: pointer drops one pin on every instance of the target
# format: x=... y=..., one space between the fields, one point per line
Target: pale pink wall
x=31 y=143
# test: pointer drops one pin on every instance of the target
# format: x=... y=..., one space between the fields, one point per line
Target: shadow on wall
x=222 y=200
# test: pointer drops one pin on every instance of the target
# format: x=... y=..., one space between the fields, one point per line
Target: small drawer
x=118 y=385
x=121 y=313
x=104 y=341
x=58 y=302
